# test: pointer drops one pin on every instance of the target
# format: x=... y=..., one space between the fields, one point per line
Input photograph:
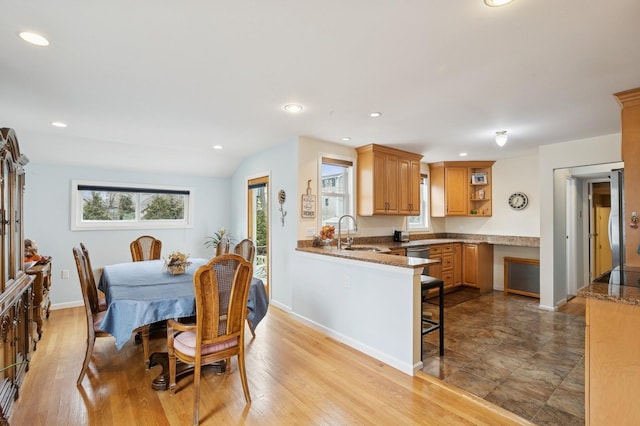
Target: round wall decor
x=518 y=200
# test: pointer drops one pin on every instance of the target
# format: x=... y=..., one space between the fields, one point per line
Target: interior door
x=602 y=250
x=258 y=224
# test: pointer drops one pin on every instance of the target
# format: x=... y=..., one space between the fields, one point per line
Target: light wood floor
x=296 y=376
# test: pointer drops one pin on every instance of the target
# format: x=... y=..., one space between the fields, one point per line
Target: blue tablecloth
x=140 y=293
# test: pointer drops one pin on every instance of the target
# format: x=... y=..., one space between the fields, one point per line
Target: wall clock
x=518 y=200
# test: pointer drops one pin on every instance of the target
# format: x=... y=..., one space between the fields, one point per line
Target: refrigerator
x=616 y=219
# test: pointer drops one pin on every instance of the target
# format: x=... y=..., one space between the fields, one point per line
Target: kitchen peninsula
x=368 y=300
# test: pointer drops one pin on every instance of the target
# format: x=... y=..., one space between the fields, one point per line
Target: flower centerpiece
x=176 y=263
x=326 y=233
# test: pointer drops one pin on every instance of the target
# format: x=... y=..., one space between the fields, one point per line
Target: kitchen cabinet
x=477 y=269
x=448 y=270
x=629 y=100
x=398 y=252
x=409 y=203
x=388 y=181
x=612 y=364
x=461 y=188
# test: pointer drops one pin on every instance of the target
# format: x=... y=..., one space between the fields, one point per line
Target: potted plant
x=218 y=236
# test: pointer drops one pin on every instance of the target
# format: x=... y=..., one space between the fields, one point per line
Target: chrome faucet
x=349 y=239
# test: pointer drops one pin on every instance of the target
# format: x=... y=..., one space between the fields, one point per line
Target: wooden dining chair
x=145 y=247
x=93 y=315
x=102 y=303
x=247 y=249
x=221 y=290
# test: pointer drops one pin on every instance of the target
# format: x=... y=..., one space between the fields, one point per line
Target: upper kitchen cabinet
x=388 y=181
x=461 y=188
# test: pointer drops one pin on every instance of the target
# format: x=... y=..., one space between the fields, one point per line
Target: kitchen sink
x=363 y=248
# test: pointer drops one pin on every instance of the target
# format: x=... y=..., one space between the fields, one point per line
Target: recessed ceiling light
x=463 y=154
x=34 y=38
x=58 y=124
x=496 y=3
x=293 y=108
x=346 y=139
x=375 y=114
x=218 y=147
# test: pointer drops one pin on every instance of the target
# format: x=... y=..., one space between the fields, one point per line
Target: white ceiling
x=154 y=84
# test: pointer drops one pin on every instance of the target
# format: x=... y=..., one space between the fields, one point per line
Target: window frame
x=77 y=205
x=425 y=207
x=351 y=185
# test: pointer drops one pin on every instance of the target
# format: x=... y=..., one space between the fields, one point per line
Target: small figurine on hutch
x=31 y=253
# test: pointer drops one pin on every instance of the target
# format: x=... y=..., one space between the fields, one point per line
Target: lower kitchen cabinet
x=612 y=365
x=398 y=251
x=449 y=268
x=477 y=269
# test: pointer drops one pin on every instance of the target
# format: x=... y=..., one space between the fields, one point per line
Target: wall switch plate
x=310 y=232
x=64 y=274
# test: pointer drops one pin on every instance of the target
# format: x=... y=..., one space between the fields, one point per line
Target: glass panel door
x=258 y=225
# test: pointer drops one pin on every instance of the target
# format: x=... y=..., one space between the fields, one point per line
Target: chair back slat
x=89 y=291
x=87 y=260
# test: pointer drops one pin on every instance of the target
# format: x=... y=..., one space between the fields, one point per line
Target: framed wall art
x=479 y=178
x=308 y=210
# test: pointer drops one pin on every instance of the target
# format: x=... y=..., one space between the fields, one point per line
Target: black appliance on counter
x=400 y=236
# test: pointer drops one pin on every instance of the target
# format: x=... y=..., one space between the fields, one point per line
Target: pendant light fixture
x=501 y=137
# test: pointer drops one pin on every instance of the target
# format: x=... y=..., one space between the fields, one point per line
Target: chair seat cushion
x=186 y=343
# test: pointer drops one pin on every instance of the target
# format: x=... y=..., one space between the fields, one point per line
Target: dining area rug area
x=455 y=297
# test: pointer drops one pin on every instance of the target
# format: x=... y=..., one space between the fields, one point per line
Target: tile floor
x=506 y=350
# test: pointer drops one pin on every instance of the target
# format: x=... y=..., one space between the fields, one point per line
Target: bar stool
x=429 y=325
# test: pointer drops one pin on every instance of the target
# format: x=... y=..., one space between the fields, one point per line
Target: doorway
x=585 y=214
x=258 y=225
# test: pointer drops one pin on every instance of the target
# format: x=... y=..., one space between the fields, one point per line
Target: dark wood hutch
x=16 y=295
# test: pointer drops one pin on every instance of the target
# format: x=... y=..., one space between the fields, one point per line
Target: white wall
x=47 y=220
x=281 y=164
x=598 y=150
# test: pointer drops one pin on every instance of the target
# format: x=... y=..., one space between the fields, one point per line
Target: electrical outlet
x=64 y=274
x=347 y=281
x=311 y=232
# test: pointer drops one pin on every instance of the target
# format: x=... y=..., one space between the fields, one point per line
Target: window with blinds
x=99 y=205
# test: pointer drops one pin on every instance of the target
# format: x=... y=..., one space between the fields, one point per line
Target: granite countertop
x=381 y=257
x=427 y=239
x=473 y=239
x=628 y=294
x=384 y=244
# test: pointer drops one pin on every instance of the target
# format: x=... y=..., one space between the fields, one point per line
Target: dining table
x=144 y=293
